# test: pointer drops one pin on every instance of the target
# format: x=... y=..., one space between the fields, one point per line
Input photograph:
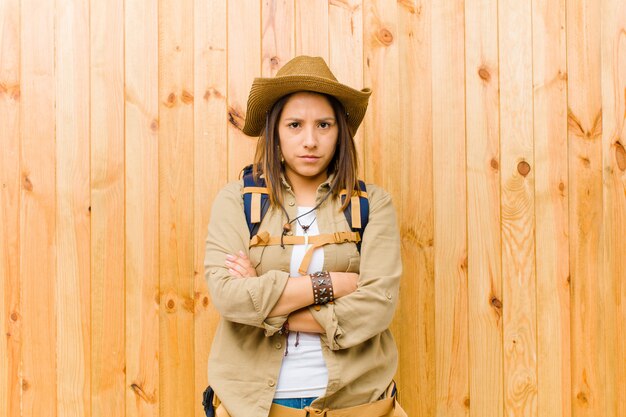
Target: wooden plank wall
x=498 y=127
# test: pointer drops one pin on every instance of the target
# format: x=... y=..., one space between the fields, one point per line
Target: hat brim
x=266 y=91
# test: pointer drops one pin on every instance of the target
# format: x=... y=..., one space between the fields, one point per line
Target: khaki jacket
x=248 y=348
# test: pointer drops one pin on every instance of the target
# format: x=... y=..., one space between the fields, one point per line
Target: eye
x=294 y=125
x=325 y=125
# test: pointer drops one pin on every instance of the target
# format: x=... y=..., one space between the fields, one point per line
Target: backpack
x=256 y=203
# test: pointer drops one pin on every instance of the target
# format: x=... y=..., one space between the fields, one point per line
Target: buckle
x=314 y=412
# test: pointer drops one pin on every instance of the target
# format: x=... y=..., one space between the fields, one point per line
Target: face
x=308 y=135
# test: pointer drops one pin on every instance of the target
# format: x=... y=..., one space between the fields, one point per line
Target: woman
x=305 y=301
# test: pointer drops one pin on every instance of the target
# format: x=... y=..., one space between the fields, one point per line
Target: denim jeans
x=294 y=402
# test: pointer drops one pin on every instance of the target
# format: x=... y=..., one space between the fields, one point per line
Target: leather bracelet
x=322 y=288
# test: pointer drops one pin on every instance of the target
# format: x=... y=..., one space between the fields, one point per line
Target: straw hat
x=302 y=73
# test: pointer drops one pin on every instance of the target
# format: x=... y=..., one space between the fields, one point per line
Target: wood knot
x=186 y=97
x=25 y=385
x=274 y=62
x=26 y=184
x=171 y=100
x=14 y=316
x=561 y=186
x=484 y=74
x=496 y=303
x=466 y=402
x=620 y=156
x=154 y=125
x=385 y=36
x=523 y=168
x=205 y=301
x=170 y=305
x=235 y=118
x=142 y=394
x=582 y=397
x=495 y=164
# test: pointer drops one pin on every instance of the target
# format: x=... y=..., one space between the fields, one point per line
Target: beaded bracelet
x=322 y=288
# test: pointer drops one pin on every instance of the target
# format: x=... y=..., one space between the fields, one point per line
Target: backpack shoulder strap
x=255 y=200
x=357 y=211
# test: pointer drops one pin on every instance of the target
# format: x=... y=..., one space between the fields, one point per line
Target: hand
x=240 y=266
x=344 y=283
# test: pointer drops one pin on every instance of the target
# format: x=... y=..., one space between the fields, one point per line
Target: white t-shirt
x=303 y=372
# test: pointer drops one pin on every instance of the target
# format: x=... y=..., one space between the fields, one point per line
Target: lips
x=309 y=158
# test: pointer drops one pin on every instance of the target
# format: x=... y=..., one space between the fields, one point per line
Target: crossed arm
x=297 y=295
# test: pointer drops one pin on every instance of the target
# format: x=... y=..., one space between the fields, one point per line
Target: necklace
x=305 y=228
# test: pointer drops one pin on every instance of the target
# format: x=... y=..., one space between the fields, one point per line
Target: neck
x=306 y=189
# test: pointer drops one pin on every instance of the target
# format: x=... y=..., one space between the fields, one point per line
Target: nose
x=310 y=138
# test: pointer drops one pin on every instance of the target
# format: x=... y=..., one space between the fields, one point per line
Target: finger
x=242 y=255
x=245 y=263
x=234 y=273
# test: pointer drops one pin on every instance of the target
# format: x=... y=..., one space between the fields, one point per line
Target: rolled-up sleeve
x=240 y=300
x=369 y=310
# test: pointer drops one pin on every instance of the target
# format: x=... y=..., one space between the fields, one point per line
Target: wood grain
x=450 y=201
x=483 y=208
x=345 y=33
x=277 y=35
x=176 y=208
x=588 y=353
x=37 y=224
x=414 y=323
x=107 y=208
x=551 y=208
x=142 y=209
x=73 y=235
x=244 y=64
x=210 y=165
x=517 y=209
x=10 y=279
x=312 y=28
x=614 y=198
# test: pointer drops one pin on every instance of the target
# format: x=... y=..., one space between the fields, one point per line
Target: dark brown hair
x=267 y=158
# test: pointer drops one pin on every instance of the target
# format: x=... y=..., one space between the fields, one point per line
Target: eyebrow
x=323 y=119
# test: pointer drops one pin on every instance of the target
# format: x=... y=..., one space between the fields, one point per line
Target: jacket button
x=292 y=203
x=271 y=383
x=278 y=345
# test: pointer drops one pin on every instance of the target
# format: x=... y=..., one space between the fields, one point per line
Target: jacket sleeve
x=368 y=311
x=240 y=300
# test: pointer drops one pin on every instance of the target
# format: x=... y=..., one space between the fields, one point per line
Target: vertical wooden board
x=588 y=353
x=244 y=64
x=450 y=201
x=141 y=203
x=614 y=196
x=312 y=28
x=176 y=207
x=37 y=255
x=210 y=165
x=345 y=33
x=382 y=124
x=10 y=309
x=277 y=35
x=483 y=208
x=73 y=238
x=107 y=208
x=517 y=194
x=551 y=208
x=414 y=324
